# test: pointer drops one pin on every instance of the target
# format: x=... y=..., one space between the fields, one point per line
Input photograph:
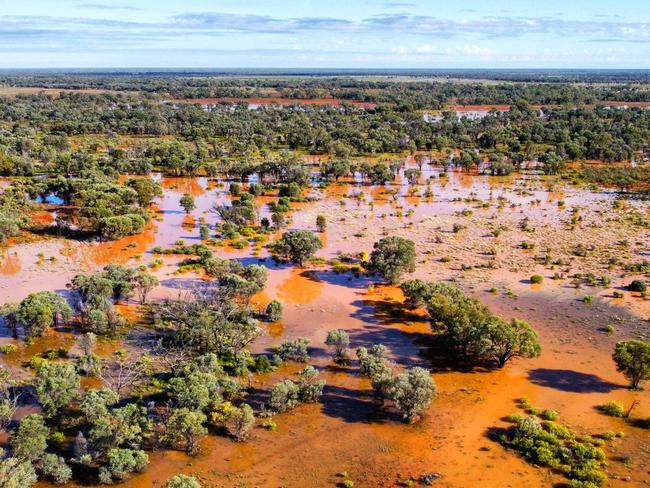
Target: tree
x=335 y=169
x=506 y=340
x=57 y=384
x=187 y=202
x=284 y=396
x=122 y=280
x=96 y=403
x=392 y=257
x=416 y=293
x=121 y=462
x=146 y=189
x=240 y=422
x=196 y=389
x=339 y=341
x=185 y=426
x=144 y=284
x=125 y=426
x=16 y=473
x=412 y=392
x=54 y=468
x=29 y=440
x=632 y=358
x=210 y=320
x=39 y=311
x=321 y=223
x=373 y=362
x=297 y=246
x=182 y=481
x=462 y=318
x=310 y=388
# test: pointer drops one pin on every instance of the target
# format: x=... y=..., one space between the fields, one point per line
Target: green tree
x=339 y=341
x=505 y=340
x=297 y=246
x=121 y=462
x=392 y=257
x=273 y=311
x=29 y=440
x=54 y=468
x=144 y=284
x=185 y=427
x=240 y=422
x=187 y=202
x=462 y=318
x=632 y=358
x=16 y=473
x=146 y=190
x=57 y=384
x=412 y=392
x=41 y=310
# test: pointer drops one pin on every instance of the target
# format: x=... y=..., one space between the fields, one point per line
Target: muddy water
x=345 y=431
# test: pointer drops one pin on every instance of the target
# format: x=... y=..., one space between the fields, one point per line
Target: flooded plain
x=345 y=432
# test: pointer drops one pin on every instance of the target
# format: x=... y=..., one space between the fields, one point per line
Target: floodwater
x=345 y=432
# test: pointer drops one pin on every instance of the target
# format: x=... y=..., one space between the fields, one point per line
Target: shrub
x=295 y=350
x=121 y=462
x=550 y=414
x=321 y=223
x=536 y=279
x=637 y=285
x=339 y=341
x=240 y=422
x=273 y=311
x=55 y=469
x=556 y=446
x=182 y=481
x=283 y=397
x=412 y=392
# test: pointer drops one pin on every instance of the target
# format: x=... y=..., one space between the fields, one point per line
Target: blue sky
x=325 y=33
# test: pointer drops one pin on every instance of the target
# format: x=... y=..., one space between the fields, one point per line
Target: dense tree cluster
x=468 y=325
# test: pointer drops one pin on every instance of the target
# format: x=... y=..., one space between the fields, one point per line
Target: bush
x=240 y=422
x=295 y=350
x=637 y=285
x=339 y=341
x=321 y=223
x=556 y=446
x=550 y=414
x=536 y=279
x=288 y=394
x=273 y=311
x=55 y=469
x=182 y=481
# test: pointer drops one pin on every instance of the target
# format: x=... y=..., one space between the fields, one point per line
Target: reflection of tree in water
x=301 y=287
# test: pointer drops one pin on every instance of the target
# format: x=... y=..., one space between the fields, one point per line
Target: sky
x=325 y=34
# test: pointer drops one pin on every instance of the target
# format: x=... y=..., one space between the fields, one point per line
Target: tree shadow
x=571 y=381
x=349 y=406
x=348 y=280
